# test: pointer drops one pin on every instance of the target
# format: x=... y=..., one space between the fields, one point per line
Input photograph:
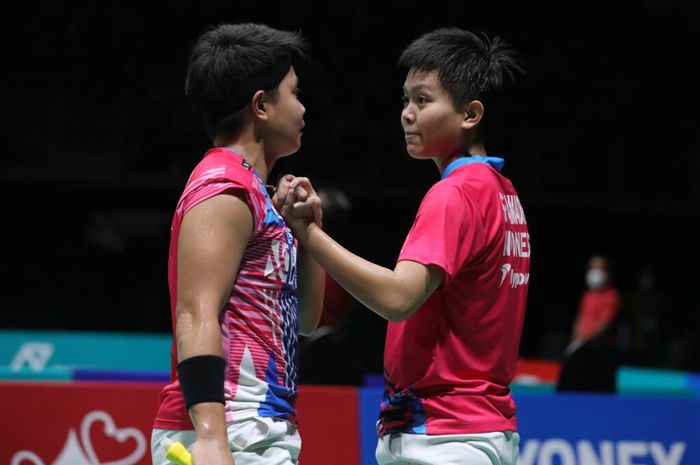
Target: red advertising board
x=87 y=423
x=77 y=423
x=329 y=425
x=537 y=371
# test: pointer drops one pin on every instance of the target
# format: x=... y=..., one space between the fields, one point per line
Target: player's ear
x=257 y=103
x=473 y=112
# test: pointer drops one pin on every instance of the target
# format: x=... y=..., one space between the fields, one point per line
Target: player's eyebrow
x=418 y=88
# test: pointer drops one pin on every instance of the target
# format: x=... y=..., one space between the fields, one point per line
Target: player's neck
x=251 y=148
x=254 y=154
x=476 y=149
x=472 y=149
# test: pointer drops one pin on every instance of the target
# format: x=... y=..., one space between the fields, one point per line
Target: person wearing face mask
x=599 y=303
x=589 y=362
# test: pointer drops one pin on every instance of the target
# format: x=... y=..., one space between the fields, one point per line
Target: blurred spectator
x=329 y=355
x=590 y=360
x=641 y=330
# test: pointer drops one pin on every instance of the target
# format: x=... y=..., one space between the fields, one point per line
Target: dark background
x=600 y=138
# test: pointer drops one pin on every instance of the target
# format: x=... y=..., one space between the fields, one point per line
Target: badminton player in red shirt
x=456 y=299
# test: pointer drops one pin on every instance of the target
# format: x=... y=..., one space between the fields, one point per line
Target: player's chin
x=293 y=148
x=414 y=151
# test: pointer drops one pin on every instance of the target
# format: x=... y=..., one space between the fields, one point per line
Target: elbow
x=398 y=300
x=195 y=317
x=308 y=329
x=394 y=317
x=307 y=332
x=398 y=311
x=397 y=316
x=308 y=320
x=184 y=316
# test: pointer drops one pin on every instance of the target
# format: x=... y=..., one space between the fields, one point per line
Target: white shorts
x=500 y=448
x=254 y=441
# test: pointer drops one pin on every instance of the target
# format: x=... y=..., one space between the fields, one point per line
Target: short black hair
x=470 y=66
x=228 y=61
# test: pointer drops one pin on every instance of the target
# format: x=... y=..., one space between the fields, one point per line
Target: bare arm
x=213 y=238
x=312 y=280
x=392 y=294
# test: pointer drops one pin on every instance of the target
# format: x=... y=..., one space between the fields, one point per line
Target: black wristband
x=202 y=379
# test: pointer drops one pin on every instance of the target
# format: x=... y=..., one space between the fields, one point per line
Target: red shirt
x=448 y=367
x=258 y=323
x=596 y=308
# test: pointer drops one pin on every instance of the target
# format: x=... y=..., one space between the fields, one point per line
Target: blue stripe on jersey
x=271 y=215
x=289 y=309
x=290 y=329
x=401 y=412
x=278 y=399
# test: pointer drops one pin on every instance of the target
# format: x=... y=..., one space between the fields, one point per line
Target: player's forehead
x=418 y=79
x=291 y=77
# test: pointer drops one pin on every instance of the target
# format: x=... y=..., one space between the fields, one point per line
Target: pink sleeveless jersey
x=448 y=367
x=259 y=326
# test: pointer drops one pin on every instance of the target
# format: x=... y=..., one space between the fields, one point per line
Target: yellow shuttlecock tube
x=176 y=452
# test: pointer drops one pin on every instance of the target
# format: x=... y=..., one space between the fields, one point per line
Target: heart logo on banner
x=73 y=454
x=110 y=429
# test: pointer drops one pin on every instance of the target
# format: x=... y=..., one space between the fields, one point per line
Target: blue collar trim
x=495 y=162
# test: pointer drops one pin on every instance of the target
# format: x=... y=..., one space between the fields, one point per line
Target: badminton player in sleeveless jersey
x=456 y=299
x=232 y=268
